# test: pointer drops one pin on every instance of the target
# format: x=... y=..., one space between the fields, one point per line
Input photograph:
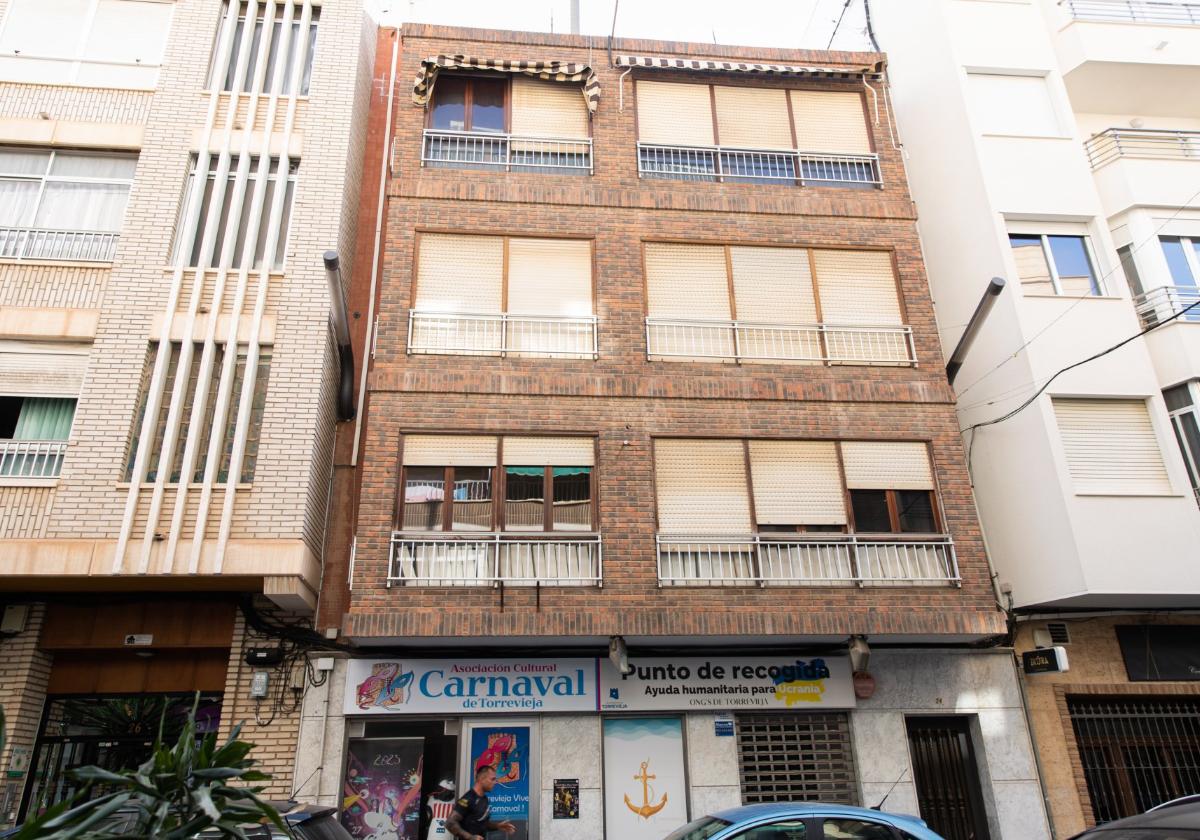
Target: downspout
x=383 y=171
x=1037 y=758
x=341 y=332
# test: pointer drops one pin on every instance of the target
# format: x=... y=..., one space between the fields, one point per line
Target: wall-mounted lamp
x=618 y=654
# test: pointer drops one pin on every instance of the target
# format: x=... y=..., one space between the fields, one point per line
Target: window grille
x=796 y=757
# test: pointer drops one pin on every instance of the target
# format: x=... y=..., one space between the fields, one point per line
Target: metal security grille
x=1136 y=752
x=947 y=780
x=796 y=757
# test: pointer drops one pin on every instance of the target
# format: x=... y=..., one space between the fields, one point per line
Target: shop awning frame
x=710 y=66
x=568 y=72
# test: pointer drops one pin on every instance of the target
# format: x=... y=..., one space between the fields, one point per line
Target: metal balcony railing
x=506 y=152
x=740 y=341
x=31 y=458
x=476 y=334
x=717 y=163
x=1114 y=143
x=22 y=243
x=1157 y=305
x=808 y=560
x=1134 y=11
x=490 y=559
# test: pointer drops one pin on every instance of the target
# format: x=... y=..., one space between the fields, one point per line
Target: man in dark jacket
x=469 y=819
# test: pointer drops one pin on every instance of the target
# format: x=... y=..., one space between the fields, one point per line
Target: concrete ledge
x=85 y=135
x=48 y=324
x=266 y=333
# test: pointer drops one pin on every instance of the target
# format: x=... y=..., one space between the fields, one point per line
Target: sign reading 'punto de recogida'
x=481 y=686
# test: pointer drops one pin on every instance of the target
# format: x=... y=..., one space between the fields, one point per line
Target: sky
x=795 y=24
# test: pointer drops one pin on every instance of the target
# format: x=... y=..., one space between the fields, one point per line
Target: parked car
x=1179 y=821
x=803 y=821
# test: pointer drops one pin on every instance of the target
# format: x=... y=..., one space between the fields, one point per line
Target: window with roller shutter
x=1111 y=447
x=497 y=295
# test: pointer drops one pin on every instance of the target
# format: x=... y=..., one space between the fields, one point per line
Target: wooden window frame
x=469 y=101
x=547 y=502
x=893 y=503
x=447 y=513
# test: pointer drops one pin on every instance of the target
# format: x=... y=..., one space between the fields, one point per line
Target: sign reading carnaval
x=751 y=684
x=467 y=686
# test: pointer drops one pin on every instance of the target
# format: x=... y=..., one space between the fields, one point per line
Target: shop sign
x=469 y=686
x=1051 y=660
x=748 y=683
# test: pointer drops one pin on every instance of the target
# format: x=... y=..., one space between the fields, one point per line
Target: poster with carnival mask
x=506 y=749
x=381 y=799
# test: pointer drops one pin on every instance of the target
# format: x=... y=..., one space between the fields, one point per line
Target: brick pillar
x=24 y=675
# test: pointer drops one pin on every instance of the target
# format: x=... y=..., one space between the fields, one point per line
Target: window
x=1129 y=266
x=496 y=295
x=1181 y=405
x=254 y=428
x=745 y=134
x=1055 y=264
x=891 y=487
x=33 y=435
x=794 y=829
x=696 y=293
x=853 y=829
x=701 y=829
x=1013 y=105
x=469 y=103
x=97 y=43
x=1110 y=447
x=62 y=205
x=296 y=46
x=242 y=226
x=793 y=757
x=542 y=484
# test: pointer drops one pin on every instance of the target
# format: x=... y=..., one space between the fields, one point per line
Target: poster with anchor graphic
x=645 y=789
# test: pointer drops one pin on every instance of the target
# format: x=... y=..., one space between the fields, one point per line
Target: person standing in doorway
x=469 y=819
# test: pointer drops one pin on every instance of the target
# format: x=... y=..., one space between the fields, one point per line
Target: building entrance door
x=946 y=776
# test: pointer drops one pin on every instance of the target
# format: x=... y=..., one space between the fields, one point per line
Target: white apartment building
x=171 y=172
x=1056 y=144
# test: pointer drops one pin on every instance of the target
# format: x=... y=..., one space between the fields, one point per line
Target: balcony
x=506 y=152
x=1134 y=11
x=492 y=559
x=31 y=459
x=1157 y=305
x=1147 y=144
x=806 y=560
x=1133 y=167
x=762 y=166
x=461 y=333
x=20 y=243
x=739 y=341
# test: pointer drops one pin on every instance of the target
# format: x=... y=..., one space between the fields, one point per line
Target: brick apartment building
x=124 y=288
x=654 y=376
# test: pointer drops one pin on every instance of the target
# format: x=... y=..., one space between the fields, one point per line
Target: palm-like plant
x=180 y=790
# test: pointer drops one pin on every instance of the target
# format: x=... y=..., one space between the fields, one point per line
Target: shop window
x=796 y=757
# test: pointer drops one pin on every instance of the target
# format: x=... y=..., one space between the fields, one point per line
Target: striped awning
x=555 y=71
x=744 y=67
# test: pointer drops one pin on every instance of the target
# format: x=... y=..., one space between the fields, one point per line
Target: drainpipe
x=341 y=332
x=1037 y=759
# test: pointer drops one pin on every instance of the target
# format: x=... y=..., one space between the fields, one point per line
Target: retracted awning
x=555 y=71
x=745 y=67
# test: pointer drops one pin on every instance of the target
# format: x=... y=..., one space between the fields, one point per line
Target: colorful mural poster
x=645 y=788
x=506 y=750
x=381 y=799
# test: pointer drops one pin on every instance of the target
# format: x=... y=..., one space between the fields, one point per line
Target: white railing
x=490 y=334
x=1134 y=11
x=1157 y=305
x=717 y=163
x=31 y=458
x=813 y=560
x=758 y=342
x=1114 y=143
x=491 y=559
x=474 y=150
x=21 y=243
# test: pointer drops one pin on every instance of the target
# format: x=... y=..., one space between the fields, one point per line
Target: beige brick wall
x=24 y=672
x=24 y=512
x=78 y=286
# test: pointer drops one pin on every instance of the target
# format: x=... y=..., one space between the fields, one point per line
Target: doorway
x=947 y=777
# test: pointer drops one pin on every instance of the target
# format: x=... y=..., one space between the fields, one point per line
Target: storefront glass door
x=509 y=747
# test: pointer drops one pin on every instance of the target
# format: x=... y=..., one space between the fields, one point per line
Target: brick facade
x=626 y=400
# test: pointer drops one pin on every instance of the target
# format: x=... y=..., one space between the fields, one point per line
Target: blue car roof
x=812 y=809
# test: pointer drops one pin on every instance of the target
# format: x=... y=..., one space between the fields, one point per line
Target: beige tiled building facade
x=163 y=503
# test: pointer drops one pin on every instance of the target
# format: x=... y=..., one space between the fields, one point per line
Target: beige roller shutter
x=753 y=118
x=857 y=287
x=796 y=482
x=449 y=451
x=773 y=285
x=674 y=114
x=550 y=276
x=830 y=121
x=687 y=281
x=547 y=109
x=549 y=451
x=887 y=465
x=459 y=273
x=37 y=369
x=701 y=487
x=1111 y=446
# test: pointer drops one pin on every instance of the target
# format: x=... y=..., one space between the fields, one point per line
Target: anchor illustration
x=645 y=810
